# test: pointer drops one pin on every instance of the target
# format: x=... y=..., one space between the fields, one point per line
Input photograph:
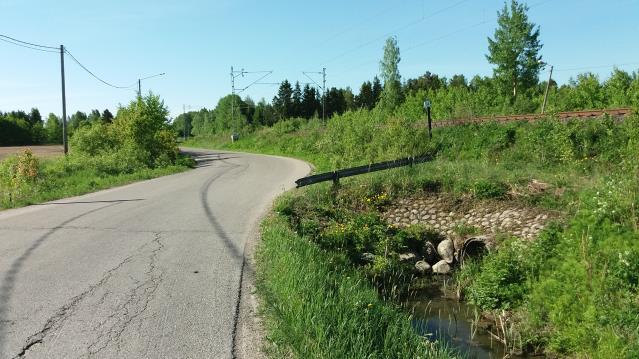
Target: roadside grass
x=64 y=177
x=316 y=307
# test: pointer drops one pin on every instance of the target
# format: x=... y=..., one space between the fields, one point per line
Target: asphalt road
x=148 y=270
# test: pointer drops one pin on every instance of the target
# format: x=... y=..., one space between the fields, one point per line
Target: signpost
x=430 y=121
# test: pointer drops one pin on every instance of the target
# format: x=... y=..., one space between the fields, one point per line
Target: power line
x=28 y=43
x=27 y=46
x=398 y=29
x=92 y=74
x=594 y=67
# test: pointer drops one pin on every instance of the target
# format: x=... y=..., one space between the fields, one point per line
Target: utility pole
x=543 y=107
x=324 y=94
x=145 y=78
x=323 y=87
x=64 y=103
x=233 y=102
x=235 y=74
x=184 y=119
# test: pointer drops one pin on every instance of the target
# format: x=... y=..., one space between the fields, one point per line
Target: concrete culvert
x=474 y=247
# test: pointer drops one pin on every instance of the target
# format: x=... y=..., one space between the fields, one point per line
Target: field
x=42 y=151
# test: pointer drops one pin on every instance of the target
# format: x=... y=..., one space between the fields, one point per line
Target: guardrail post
x=335 y=178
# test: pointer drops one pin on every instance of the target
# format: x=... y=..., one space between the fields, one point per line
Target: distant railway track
x=617 y=113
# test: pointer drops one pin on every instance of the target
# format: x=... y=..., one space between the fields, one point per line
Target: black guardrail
x=348 y=172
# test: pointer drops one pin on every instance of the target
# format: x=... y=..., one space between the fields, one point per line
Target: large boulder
x=430 y=253
x=422 y=267
x=441 y=267
x=446 y=250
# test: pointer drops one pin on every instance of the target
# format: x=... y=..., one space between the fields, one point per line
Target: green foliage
x=490 y=189
x=17 y=176
x=515 y=50
x=391 y=96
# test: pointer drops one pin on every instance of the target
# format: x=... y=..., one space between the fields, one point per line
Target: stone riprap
x=451 y=217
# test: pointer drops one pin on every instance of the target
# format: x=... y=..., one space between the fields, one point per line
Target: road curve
x=148 y=270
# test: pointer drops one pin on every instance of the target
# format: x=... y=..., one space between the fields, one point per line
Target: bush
x=18 y=174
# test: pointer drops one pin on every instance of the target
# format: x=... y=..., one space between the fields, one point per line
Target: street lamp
x=144 y=78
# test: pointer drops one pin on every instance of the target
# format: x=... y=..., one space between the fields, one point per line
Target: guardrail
x=354 y=171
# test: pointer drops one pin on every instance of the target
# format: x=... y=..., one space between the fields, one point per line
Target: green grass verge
x=62 y=177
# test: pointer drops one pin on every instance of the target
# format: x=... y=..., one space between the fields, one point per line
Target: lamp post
x=144 y=78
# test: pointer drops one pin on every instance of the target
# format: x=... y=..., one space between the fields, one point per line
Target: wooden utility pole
x=64 y=103
x=543 y=106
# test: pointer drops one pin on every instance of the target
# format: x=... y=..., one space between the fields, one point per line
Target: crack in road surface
x=127 y=310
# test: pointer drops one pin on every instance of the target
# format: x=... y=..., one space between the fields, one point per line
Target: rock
x=441 y=267
x=407 y=257
x=430 y=253
x=422 y=267
x=446 y=250
x=367 y=257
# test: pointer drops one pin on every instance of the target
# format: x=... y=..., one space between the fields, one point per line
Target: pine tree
x=107 y=116
x=283 y=102
x=297 y=101
x=310 y=104
x=515 y=50
x=365 y=98
x=377 y=90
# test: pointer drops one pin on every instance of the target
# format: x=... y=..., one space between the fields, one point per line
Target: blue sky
x=196 y=42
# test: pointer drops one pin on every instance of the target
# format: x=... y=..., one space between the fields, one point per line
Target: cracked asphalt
x=148 y=270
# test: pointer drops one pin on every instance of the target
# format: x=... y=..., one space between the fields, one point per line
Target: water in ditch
x=446 y=319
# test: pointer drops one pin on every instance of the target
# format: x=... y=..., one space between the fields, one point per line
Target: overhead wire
x=10 y=40
x=398 y=29
x=28 y=43
x=94 y=75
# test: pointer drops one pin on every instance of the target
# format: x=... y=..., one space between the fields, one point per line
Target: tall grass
x=319 y=308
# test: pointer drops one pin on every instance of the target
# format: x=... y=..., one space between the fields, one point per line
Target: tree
x=230 y=114
x=616 y=88
x=264 y=114
x=458 y=81
x=515 y=50
x=107 y=116
x=335 y=102
x=310 y=102
x=427 y=81
x=365 y=98
x=377 y=90
x=53 y=129
x=34 y=117
x=392 y=94
x=283 y=102
x=78 y=120
x=349 y=99
x=297 y=101
x=94 y=117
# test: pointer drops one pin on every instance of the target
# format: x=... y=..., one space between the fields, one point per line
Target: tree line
x=514 y=88
x=18 y=128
